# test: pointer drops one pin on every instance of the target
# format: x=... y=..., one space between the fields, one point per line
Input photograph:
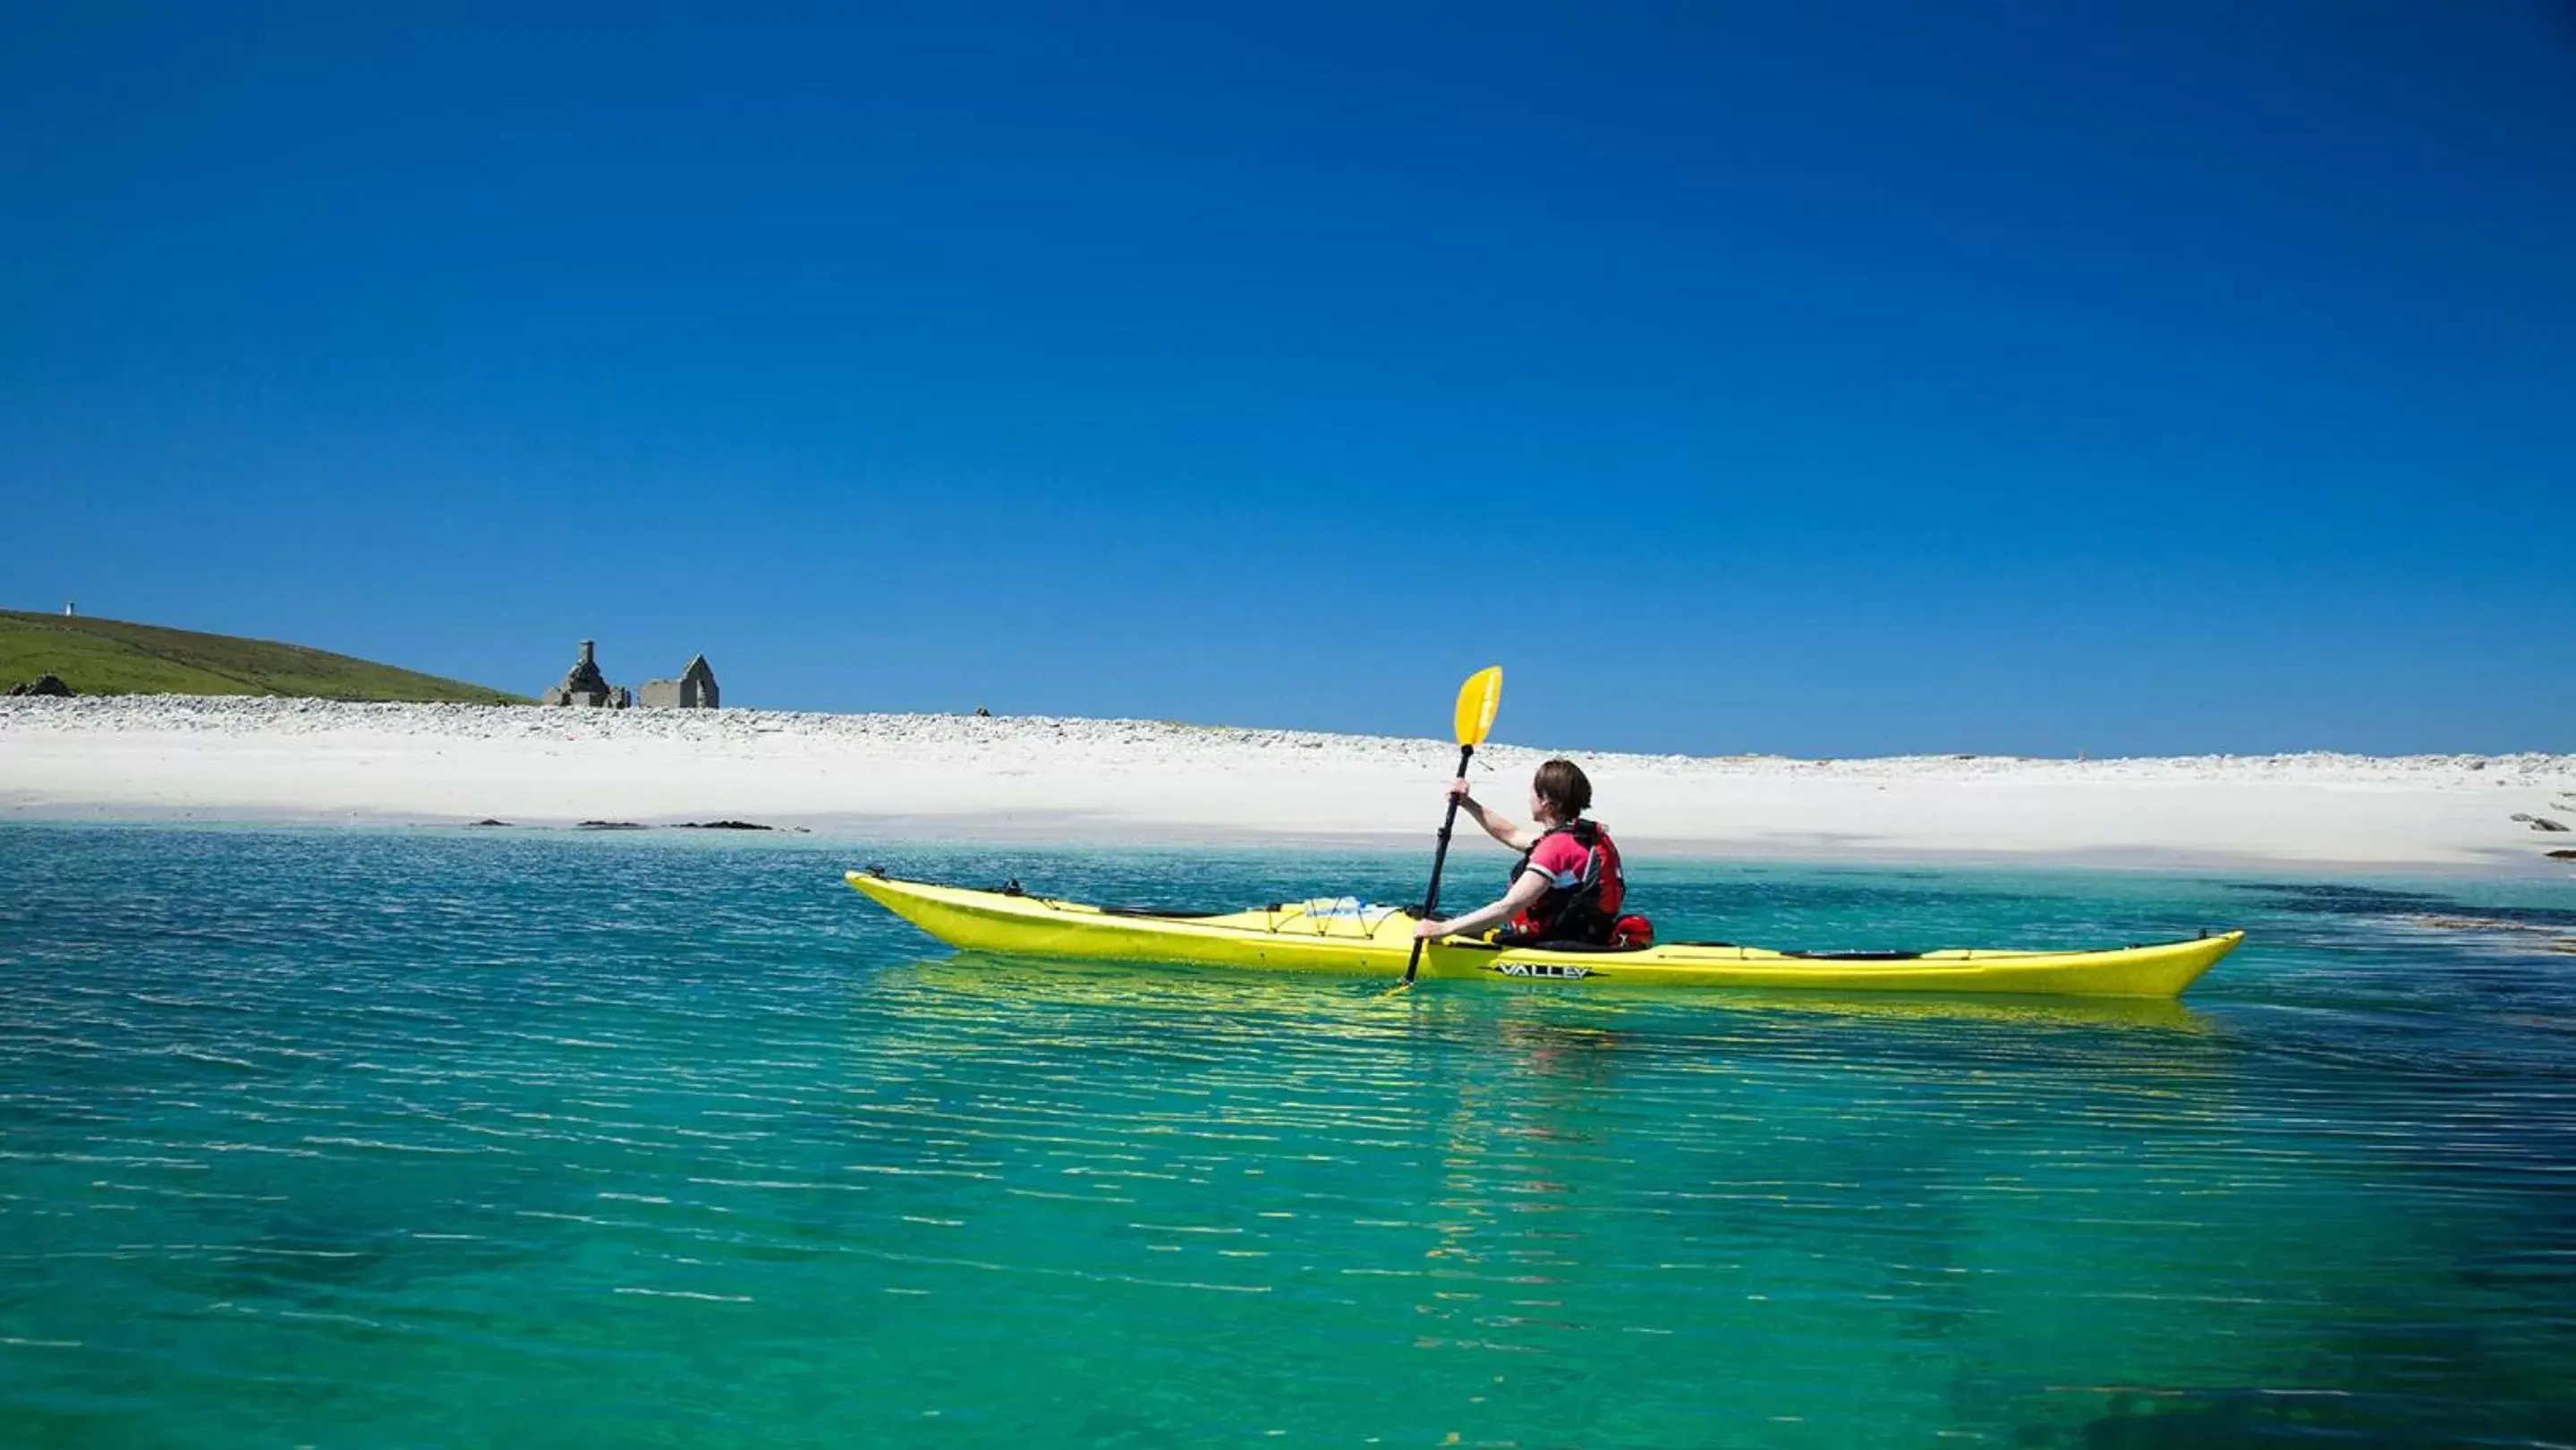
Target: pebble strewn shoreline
x=1146 y=740
x=1140 y=781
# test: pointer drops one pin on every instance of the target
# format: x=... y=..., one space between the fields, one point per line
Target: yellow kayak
x=1345 y=936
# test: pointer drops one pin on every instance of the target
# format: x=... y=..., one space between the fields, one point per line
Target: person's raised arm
x=1497 y=825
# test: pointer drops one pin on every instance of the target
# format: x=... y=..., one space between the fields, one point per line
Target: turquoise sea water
x=388 y=1138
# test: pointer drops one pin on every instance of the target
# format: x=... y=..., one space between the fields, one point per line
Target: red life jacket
x=1587 y=911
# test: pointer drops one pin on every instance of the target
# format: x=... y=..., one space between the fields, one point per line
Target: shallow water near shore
x=374 y=1137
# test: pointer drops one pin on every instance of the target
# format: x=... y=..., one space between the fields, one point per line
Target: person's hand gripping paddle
x=1478 y=699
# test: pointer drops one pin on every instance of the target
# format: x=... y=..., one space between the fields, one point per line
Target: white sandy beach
x=958 y=777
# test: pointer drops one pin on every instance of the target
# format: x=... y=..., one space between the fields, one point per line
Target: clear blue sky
x=1817 y=378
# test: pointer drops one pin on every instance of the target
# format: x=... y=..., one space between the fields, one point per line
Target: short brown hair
x=1562 y=785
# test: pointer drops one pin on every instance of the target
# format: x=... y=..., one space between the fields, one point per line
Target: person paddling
x=1568 y=887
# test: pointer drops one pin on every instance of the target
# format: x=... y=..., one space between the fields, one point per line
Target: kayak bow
x=1343 y=936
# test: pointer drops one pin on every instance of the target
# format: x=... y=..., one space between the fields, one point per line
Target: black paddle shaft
x=1439 y=859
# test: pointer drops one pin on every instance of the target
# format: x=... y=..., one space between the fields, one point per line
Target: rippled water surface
x=372 y=1138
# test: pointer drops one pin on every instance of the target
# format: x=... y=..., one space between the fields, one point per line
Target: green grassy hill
x=110 y=657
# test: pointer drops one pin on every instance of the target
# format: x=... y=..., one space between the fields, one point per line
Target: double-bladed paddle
x=1478 y=699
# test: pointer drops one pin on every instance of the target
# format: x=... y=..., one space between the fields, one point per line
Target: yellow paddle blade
x=1478 y=699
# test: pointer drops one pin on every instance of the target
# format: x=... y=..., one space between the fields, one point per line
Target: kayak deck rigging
x=1287 y=911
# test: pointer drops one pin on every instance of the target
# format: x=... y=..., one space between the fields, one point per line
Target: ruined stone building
x=695 y=689
x=583 y=684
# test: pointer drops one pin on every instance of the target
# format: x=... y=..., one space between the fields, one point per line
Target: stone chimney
x=583 y=684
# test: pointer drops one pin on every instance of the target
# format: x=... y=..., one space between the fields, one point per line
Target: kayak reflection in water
x=1568 y=887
